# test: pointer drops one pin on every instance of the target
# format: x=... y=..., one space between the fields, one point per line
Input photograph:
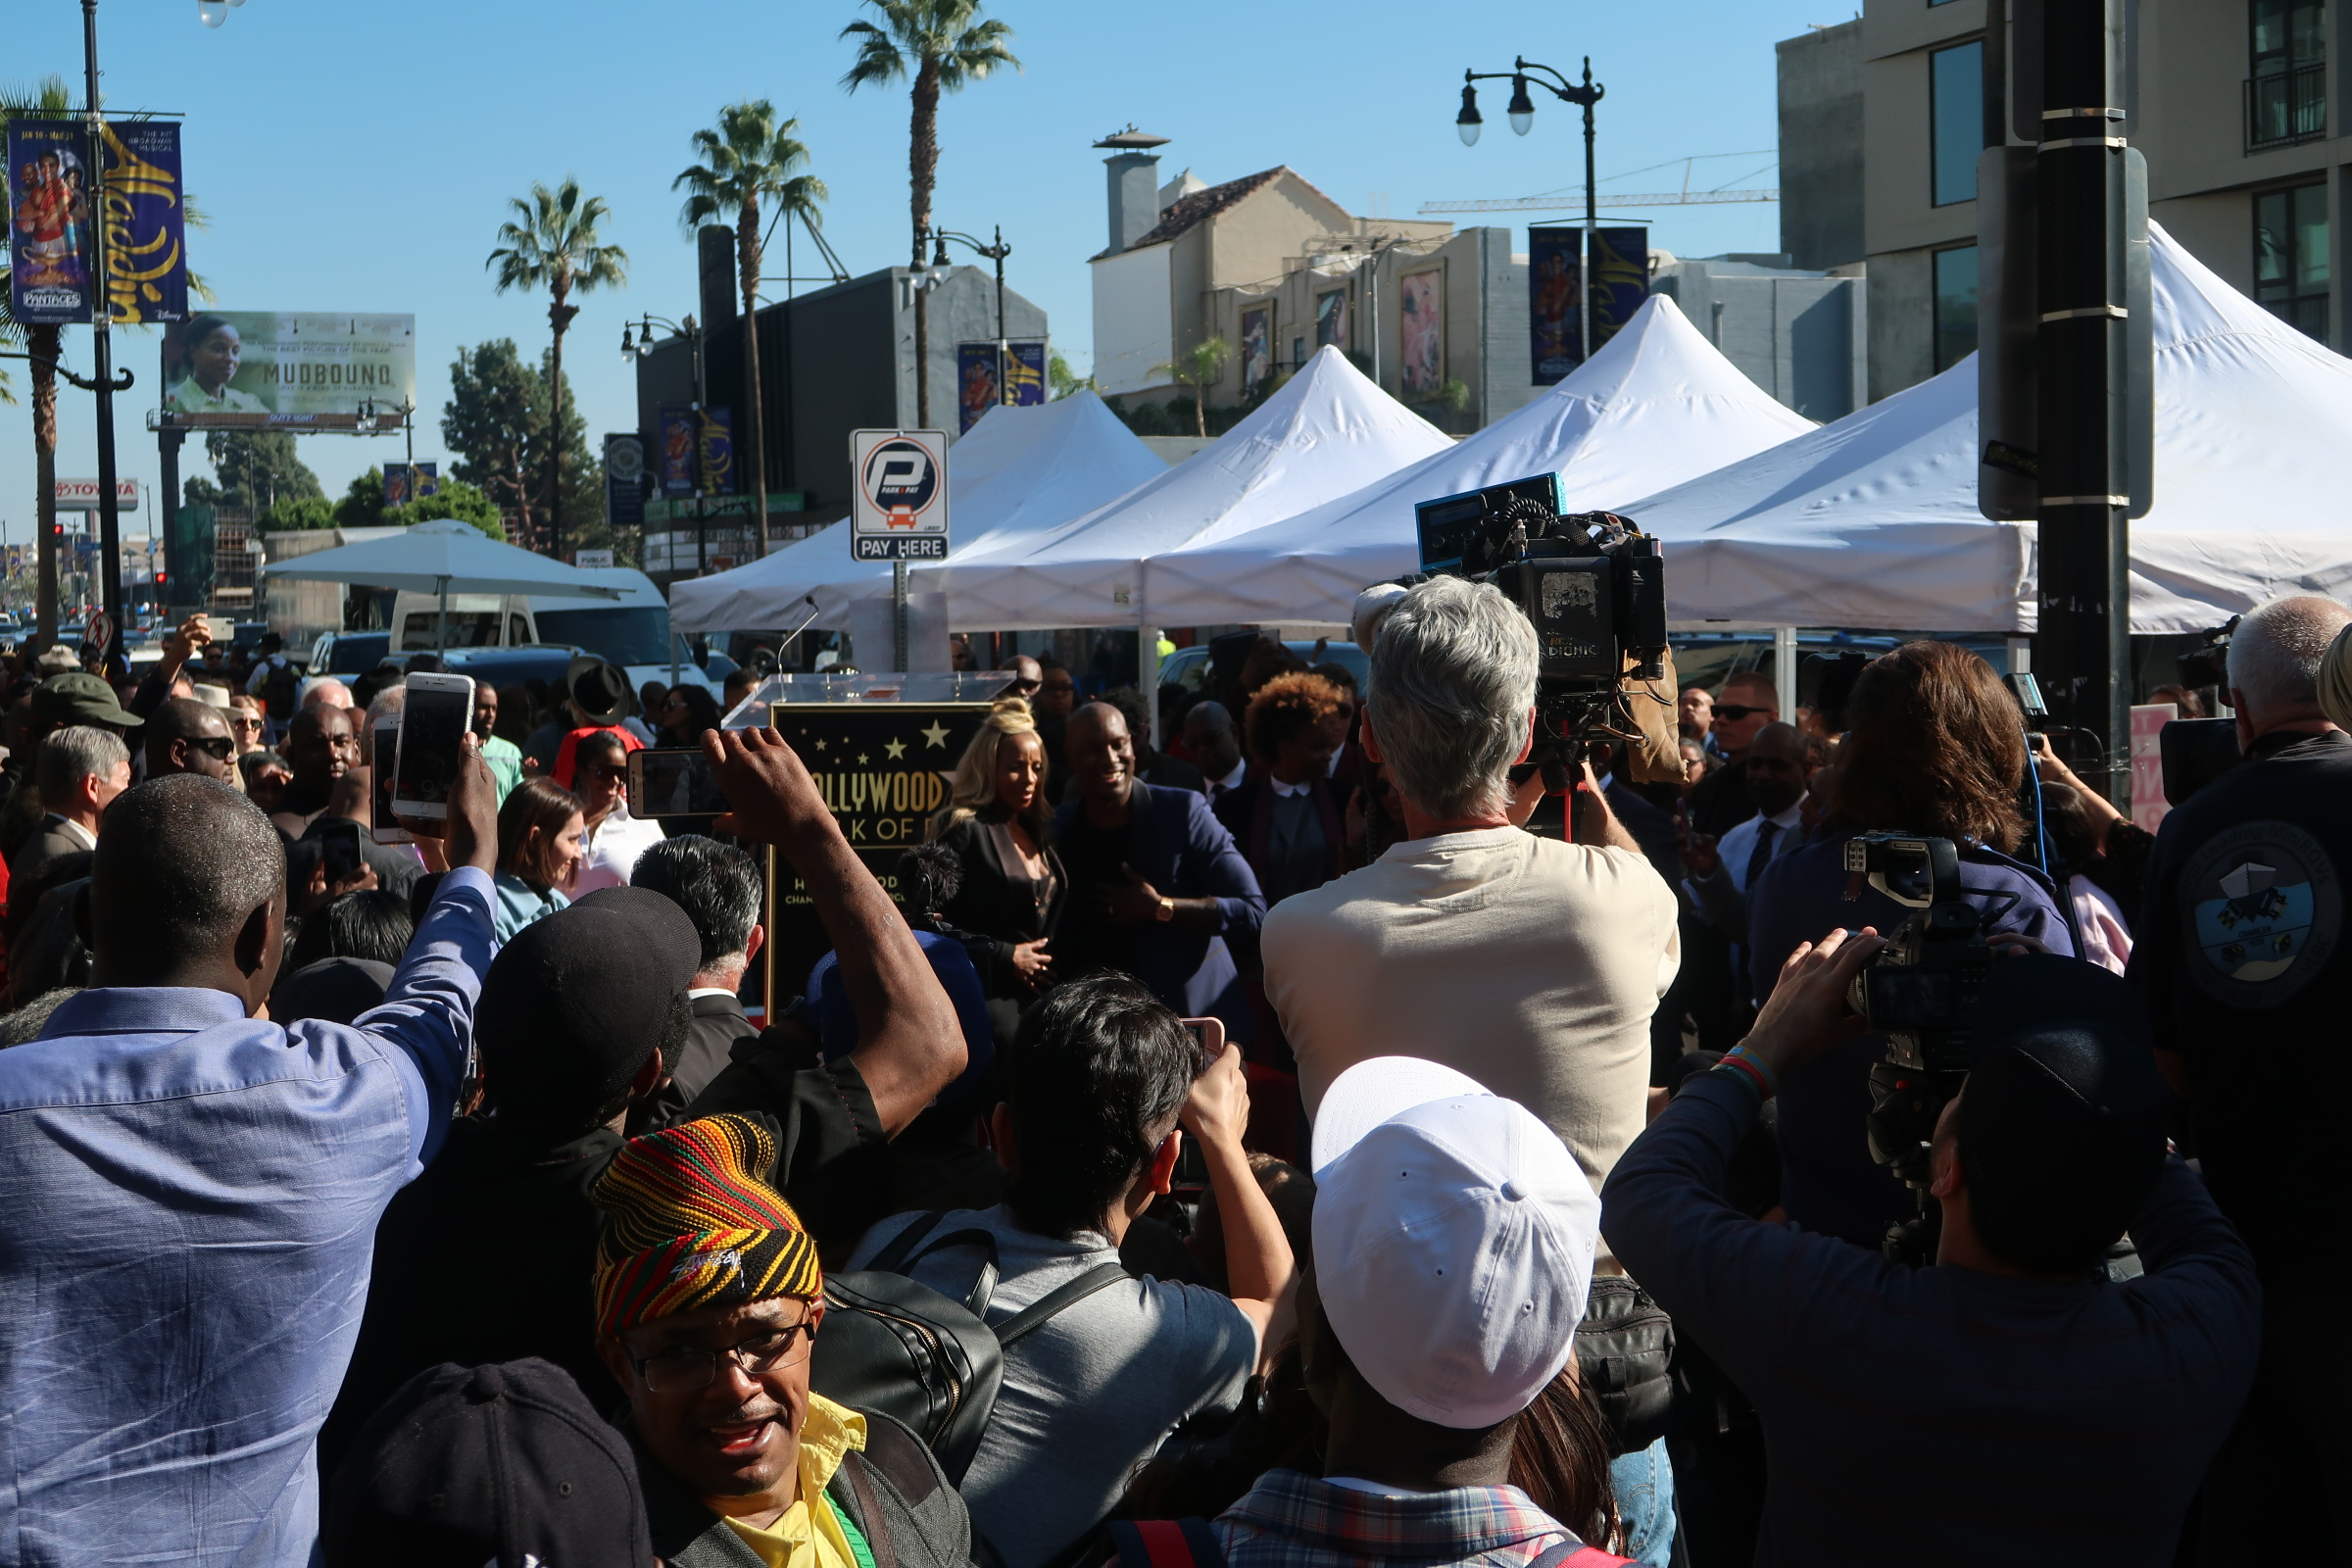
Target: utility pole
x=101 y=354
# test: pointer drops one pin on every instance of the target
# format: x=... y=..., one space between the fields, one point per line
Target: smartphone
x=383 y=749
x=1210 y=1032
x=339 y=840
x=1190 y=1176
x=674 y=781
x=434 y=717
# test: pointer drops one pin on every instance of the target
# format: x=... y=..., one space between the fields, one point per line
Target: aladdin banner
x=146 y=234
x=1620 y=279
x=1555 y=329
x=976 y=388
x=48 y=223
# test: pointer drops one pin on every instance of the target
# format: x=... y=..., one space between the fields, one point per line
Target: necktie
x=1761 y=855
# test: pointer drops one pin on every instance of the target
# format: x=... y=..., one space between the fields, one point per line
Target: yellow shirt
x=830 y=1432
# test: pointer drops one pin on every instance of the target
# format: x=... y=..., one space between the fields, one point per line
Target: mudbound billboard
x=246 y=367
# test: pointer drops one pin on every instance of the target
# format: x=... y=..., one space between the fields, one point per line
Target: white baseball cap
x=1453 y=1238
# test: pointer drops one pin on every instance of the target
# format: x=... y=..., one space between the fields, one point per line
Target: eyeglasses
x=1736 y=713
x=243 y=722
x=606 y=771
x=217 y=747
x=690 y=1368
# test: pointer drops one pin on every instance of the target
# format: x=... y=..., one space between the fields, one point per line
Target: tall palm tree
x=551 y=243
x=43 y=347
x=944 y=45
x=748 y=159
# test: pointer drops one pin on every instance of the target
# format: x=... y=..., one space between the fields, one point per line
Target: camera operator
x=2252 y=864
x=2010 y=1404
x=1936 y=747
x=1530 y=964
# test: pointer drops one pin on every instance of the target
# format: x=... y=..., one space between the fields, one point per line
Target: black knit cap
x=487 y=1467
x=335 y=990
x=2062 y=1123
x=573 y=1005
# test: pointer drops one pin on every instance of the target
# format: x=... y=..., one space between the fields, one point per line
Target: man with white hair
x=1530 y=964
x=2242 y=952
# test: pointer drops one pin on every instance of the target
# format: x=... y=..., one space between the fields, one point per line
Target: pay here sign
x=900 y=511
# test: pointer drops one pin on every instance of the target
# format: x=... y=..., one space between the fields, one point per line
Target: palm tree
x=746 y=159
x=551 y=243
x=1198 y=368
x=945 y=45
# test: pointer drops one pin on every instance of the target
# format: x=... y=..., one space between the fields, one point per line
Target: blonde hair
x=972 y=788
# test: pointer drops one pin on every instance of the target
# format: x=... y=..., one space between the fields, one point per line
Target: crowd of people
x=1306 y=1142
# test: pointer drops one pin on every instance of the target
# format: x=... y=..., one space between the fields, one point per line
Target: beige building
x=1278 y=269
x=2231 y=100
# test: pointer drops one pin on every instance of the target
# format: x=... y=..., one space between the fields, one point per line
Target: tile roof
x=1186 y=210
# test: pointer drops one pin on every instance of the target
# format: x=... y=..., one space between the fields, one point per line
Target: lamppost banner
x=144 y=214
x=676 y=437
x=246 y=367
x=1620 y=279
x=52 y=218
x=1555 y=327
x=406 y=482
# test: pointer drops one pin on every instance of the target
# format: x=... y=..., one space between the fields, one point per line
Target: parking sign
x=901 y=507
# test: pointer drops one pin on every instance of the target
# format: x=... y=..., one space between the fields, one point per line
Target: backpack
x=1624 y=1353
x=903 y=1349
x=1190 y=1544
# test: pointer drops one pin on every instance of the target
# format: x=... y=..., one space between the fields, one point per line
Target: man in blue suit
x=1159 y=888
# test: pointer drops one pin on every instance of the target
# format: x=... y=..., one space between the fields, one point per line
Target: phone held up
x=384 y=747
x=340 y=848
x=434 y=717
x=674 y=781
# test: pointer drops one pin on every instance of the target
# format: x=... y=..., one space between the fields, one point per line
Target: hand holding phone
x=435 y=719
x=1217 y=1111
x=339 y=840
x=674 y=781
x=383 y=825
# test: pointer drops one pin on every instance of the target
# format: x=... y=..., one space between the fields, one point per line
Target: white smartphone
x=383 y=749
x=674 y=781
x=434 y=717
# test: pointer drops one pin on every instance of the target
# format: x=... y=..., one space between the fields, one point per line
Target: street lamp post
x=1522 y=116
x=634 y=348
x=996 y=254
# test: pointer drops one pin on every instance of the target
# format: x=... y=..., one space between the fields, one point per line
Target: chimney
x=714 y=250
x=1134 y=170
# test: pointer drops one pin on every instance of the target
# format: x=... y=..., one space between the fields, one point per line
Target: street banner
x=1556 y=325
x=625 y=480
x=718 y=449
x=233 y=368
x=82 y=495
x=676 y=436
x=976 y=388
x=145 y=219
x=1620 y=279
x=403 y=482
x=2148 y=803
x=1025 y=368
x=50 y=283
x=898 y=503
x=1421 y=332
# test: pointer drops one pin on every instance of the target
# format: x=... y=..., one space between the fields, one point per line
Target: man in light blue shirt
x=192 y=1191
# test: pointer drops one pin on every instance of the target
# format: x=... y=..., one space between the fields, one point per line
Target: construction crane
x=1574 y=197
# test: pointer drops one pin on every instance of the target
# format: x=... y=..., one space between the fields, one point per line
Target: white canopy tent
x=1873 y=520
x=1327 y=431
x=1017 y=473
x=1656 y=406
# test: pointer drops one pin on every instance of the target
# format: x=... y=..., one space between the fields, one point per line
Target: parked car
x=537 y=667
x=632 y=631
x=346 y=654
x=1188 y=667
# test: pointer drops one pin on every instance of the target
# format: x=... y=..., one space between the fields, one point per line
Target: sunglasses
x=216 y=746
x=1736 y=713
x=1022 y=686
x=610 y=774
x=244 y=721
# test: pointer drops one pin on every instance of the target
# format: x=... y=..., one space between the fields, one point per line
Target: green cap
x=78 y=696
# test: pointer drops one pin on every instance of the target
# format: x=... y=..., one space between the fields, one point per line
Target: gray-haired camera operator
x=2240 y=951
x=1530 y=964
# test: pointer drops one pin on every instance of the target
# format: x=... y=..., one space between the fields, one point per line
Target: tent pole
x=1784 y=670
x=1147 y=677
x=441 y=621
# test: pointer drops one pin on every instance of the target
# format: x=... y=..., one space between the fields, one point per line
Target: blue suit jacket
x=1178 y=846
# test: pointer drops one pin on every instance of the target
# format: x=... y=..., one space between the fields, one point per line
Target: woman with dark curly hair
x=1936 y=746
x=1289 y=818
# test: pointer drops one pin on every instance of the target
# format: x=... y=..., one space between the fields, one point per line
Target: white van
x=632 y=631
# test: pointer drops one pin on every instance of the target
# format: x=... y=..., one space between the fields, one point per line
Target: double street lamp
x=1522 y=114
x=996 y=253
x=636 y=341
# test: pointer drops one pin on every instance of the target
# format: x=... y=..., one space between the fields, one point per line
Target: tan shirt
x=1530 y=964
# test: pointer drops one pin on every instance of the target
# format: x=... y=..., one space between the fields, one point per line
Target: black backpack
x=903 y=1349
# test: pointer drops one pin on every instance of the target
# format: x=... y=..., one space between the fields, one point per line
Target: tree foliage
x=1064 y=379
x=258 y=469
x=1198 y=367
x=495 y=426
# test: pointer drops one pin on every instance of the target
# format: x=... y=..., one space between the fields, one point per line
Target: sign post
x=900 y=509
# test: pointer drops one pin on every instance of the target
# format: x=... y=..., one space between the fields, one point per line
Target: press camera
x=1591 y=584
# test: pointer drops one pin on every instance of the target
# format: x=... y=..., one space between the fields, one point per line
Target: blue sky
x=356 y=155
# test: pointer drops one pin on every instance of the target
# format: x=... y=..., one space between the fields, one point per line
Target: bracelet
x=1766 y=1082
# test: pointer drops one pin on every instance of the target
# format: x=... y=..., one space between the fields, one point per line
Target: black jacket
x=718 y=1022
x=894 y=1491
x=993 y=911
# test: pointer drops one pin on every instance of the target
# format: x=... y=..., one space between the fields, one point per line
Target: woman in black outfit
x=997 y=823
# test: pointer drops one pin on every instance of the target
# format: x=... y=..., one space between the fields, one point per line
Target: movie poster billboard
x=1025 y=370
x=49 y=223
x=1330 y=319
x=239 y=368
x=1421 y=331
x=625 y=480
x=1620 y=279
x=1257 y=348
x=976 y=387
x=718 y=449
x=675 y=437
x=1555 y=325
x=144 y=215
x=405 y=482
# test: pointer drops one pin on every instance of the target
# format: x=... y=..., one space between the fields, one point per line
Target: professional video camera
x=1593 y=585
x=1921 y=991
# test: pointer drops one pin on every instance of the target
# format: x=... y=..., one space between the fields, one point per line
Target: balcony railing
x=2287 y=107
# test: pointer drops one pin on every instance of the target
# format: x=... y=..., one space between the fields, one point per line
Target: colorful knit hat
x=690 y=1222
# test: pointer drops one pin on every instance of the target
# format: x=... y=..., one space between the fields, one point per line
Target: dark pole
x=1004 y=387
x=2083 y=648
x=1591 y=219
x=102 y=358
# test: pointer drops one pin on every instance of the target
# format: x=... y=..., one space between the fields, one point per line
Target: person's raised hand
x=1129 y=903
x=771 y=796
x=471 y=838
x=188 y=640
x=319 y=893
x=1807 y=1013
x=1699 y=849
x=1218 y=1110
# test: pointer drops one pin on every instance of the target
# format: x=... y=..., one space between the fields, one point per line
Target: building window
x=1955 y=306
x=2287 y=72
x=2290 y=256
x=1956 y=116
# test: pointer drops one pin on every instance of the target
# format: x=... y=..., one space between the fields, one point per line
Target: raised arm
x=1261 y=1273
x=910 y=1044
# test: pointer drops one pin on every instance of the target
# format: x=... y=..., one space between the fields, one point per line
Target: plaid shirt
x=1290 y=1520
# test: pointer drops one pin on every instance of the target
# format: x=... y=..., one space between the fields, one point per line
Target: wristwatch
x=1168 y=909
